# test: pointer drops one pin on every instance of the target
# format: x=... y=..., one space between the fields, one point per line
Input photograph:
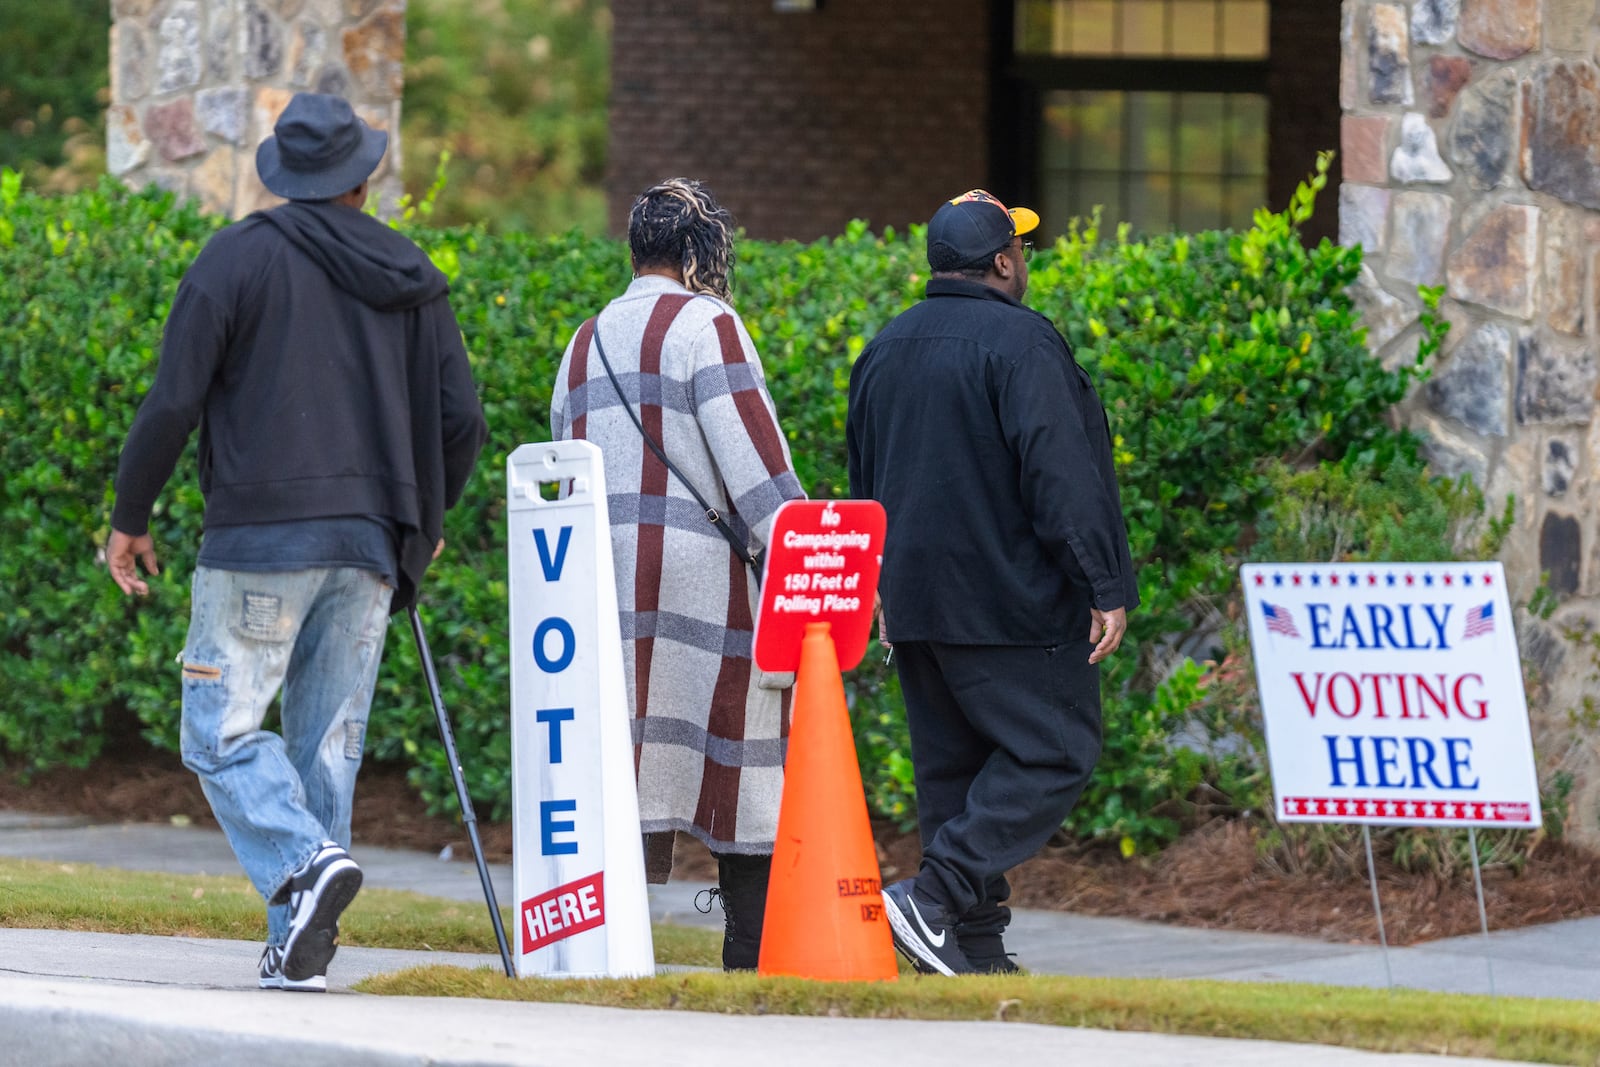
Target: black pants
x=1003 y=740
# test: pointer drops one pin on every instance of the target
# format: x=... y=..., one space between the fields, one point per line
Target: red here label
x=563 y=911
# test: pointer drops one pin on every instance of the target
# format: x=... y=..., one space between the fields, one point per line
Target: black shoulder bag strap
x=713 y=516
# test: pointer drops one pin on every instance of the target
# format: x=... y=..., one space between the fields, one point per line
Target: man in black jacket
x=1006 y=574
x=316 y=350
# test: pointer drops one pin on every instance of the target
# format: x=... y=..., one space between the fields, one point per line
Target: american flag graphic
x=1279 y=621
x=1480 y=621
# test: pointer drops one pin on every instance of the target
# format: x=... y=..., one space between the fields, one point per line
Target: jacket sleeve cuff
x=130 y=518
x=1108 y=601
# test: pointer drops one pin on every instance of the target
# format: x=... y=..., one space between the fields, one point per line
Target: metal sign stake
x=469 y=818
x=1483 y=913
x=1377 y=906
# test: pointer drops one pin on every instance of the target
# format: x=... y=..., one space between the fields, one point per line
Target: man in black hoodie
x=316 y=350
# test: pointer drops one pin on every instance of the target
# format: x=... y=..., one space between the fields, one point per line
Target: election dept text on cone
x=824 y=917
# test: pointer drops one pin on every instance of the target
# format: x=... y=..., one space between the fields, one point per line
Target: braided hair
x=678 y=223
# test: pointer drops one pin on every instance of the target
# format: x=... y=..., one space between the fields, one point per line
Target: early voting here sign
x=1392 y=694
x=577 y=866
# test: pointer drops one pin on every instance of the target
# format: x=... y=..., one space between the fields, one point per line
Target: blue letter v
x=552 y=567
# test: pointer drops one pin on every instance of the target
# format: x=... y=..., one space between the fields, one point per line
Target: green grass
x=1545 y=1031
x=57 y=896
x=78 y=897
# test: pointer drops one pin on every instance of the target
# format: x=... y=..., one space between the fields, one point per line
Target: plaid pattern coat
x=709 y=739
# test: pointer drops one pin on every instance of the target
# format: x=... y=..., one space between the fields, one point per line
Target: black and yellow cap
x=972 y=227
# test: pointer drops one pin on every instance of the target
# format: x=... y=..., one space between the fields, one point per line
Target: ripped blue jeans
x=318 y=636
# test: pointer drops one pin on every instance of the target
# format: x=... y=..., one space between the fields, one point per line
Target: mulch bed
x=1214 y=877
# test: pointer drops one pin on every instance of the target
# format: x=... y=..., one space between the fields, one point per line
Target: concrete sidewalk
x=54 y=1023
x=70 y=990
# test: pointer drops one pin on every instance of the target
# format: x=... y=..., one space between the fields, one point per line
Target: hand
x=438 y=548
x=1105 y=631
x=121 y=552
x=877 y=613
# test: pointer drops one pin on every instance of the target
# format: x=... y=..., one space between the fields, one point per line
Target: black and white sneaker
x=318 y=894
x=922 y=931
x=272 y=976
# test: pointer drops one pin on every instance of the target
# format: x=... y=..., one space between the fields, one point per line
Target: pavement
x=69 y=998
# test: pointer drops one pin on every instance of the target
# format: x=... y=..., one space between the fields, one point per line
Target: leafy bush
x=514 y=91
x=1215 y=353
x=54 y=86
x=87 y=283
x=1352 y=511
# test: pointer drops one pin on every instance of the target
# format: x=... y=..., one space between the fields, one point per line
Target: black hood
x=360 y=255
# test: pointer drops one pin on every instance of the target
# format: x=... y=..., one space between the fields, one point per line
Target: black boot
x=743 y=881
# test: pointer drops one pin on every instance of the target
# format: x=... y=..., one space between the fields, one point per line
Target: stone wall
x=196 y=85
x=801 y=121
x=1471 y=145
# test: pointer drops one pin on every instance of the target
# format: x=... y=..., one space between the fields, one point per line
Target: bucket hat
x=319 y=149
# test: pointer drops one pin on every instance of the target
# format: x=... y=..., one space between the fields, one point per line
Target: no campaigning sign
x=1392 y=694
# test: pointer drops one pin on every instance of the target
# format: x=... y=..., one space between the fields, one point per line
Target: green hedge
x=1215 y=354
x=54 y=78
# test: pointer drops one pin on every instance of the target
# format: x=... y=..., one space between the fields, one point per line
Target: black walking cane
x=468 y=818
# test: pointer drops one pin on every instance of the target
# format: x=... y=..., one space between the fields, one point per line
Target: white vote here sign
x=578 y=870
x=1392 y=693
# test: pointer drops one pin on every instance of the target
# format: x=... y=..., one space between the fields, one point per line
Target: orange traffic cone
x=824 y=913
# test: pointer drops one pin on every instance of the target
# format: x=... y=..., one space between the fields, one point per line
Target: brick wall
x=801 y=121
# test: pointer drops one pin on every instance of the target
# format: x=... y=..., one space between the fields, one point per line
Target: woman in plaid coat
x=709 y=729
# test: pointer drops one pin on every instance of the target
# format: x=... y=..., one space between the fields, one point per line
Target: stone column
x=196 y=85
x=1471 y=144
